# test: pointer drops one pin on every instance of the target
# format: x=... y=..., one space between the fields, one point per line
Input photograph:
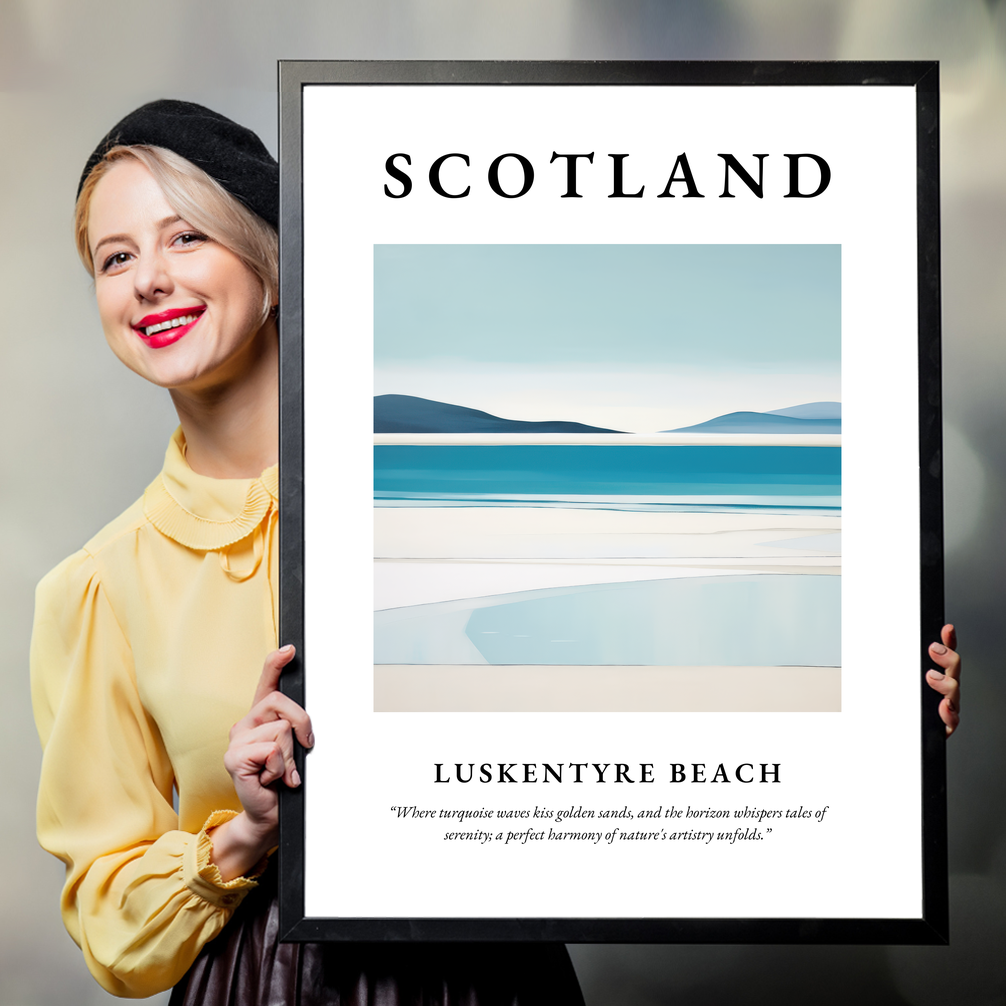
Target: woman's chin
x=197 y=365
x=172 y=374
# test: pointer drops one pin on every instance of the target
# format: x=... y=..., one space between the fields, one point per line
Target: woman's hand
x=948 y=681
x=260 y=753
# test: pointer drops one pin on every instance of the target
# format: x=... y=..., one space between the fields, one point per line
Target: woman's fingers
x=270 y=703
x=261 y=749
x=278 y=734
x=272 y=668
x=944 y=654
x=277 y=706
x=947 y=680
x=949 y=709
x=274 y=766
x=949 y=688
x=949 y=636
x=950 y=716
x=261 y=761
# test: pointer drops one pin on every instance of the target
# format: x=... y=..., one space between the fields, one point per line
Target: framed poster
x=611 y=501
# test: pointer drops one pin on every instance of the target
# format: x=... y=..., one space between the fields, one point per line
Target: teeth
x=174 y=323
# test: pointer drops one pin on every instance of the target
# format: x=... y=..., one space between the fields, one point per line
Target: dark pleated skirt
x=246 y=965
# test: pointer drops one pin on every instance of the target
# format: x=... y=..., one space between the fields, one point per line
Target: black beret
x=231 y=154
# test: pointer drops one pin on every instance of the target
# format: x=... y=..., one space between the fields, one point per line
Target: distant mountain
x=408 y=414
x=812 y=410
x=814 y=417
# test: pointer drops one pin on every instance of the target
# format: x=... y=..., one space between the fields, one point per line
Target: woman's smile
x=159 y=330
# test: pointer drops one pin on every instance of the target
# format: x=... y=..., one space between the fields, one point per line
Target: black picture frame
x=931 y=927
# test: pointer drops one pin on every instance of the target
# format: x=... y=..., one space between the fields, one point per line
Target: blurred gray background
x=83 y=436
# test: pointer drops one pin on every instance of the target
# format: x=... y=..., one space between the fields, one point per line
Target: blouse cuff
x=202 y=876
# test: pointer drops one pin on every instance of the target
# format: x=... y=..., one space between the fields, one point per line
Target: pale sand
x=519 y=688
x=399 y=583
x=543 y=533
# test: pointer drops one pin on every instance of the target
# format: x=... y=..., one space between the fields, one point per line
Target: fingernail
x=938 y=648
x=295 y=777
x=310 y=740
x=287 y=649
x=936 y=675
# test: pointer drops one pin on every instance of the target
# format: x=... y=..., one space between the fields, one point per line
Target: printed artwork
x=607 y=477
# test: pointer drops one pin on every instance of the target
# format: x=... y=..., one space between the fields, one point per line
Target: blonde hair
x=199 y=200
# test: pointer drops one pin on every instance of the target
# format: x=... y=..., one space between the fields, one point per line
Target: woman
x=149 y=642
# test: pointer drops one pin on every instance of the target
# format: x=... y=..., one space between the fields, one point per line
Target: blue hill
x=408 y=414
x=812 y=410
x=814 y=417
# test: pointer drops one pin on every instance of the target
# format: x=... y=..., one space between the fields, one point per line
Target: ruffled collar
x=203 y=513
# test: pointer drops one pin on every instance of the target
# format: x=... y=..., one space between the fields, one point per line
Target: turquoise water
x=748 y=619
x=745 y=619
x=540 y=475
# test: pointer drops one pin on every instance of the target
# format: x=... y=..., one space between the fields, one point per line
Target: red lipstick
x=165 y=332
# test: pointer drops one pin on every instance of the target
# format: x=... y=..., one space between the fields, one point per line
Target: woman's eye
x=114 y=261
x=190 y=238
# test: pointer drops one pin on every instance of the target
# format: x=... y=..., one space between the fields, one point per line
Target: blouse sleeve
x=141 y=898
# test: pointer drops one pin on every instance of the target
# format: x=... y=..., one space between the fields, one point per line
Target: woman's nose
x=152 y=277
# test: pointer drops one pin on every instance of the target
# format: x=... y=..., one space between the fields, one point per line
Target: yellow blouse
x=147 y=647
